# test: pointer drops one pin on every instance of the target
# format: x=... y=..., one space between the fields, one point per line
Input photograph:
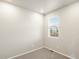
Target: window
x=53 y=26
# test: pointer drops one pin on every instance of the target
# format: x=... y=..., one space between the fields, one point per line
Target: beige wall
x=68 y=41
x=20 y=30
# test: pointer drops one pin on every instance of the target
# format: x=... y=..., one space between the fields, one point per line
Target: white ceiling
x=41 y=6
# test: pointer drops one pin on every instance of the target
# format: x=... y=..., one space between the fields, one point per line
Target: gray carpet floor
x=42 y=54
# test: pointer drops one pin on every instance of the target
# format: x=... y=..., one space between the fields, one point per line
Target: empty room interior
x=39 y=29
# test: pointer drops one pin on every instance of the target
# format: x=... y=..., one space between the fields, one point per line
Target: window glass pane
x=53 y=26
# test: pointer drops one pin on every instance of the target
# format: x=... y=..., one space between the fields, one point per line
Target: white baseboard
x=25 y=53
x=38 y=49
x=59 y=53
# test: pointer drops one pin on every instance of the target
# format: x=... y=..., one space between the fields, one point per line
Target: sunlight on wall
x=8 y=11
x=7 y=8
x=37 y=18
x=36 y=23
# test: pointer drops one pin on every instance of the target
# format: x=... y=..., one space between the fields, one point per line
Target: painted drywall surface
x=20 y=30
x=68 y=41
